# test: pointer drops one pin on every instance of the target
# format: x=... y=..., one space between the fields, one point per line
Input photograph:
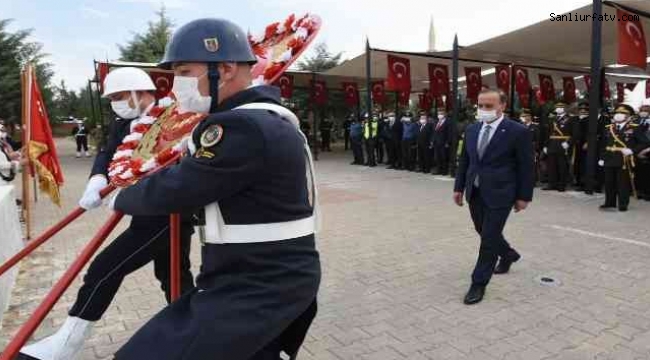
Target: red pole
x=175 y=252
x=59 y=288
x=34 y=244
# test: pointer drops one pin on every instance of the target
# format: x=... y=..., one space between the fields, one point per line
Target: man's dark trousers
x=489 y=224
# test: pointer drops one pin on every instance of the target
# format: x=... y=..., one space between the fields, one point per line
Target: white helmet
x=127 y=79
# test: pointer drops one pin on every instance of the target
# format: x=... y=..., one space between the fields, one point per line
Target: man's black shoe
x=505 y=262
x=474 y=295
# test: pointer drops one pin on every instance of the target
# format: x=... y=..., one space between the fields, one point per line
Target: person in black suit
x=424 y=143
x=442 y=137
x=496 y=174
x=397 y=129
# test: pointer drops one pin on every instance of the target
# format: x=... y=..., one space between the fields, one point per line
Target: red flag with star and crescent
x=351 y=92
x=631 y=41
x=647 y=89
x=503 y=78
x=620 y=92
x=378 y=92
x=546 y=87
x=41 y=147
x=399 y=74
x=285 y=83
x=403 y=97
x=438 y=80
x=163 y=81
x=522 y=83
x=319 y=92
x=569 y=86
x=474 y=83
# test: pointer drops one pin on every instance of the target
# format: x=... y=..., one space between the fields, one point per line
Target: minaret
x=432 y=37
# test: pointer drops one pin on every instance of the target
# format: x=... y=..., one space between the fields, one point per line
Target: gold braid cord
x=46 y=181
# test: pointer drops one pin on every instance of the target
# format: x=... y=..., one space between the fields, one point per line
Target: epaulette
x=634 y=125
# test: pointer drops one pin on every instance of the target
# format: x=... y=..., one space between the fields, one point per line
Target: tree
x=15 y=52
x=150 y=46
x=321 y=61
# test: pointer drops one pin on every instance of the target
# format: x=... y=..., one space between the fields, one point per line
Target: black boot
x=474 y=295
x=505 y=262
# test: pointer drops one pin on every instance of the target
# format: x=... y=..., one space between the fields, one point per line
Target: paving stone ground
x=396 y=260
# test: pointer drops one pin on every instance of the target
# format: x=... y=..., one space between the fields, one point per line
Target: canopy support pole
x=594 y=95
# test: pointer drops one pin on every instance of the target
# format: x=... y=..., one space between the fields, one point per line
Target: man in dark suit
x=424 y=143
x=442 y=137
x=496 y=174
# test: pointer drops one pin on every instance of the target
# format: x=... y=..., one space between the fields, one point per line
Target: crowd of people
x=560 y=144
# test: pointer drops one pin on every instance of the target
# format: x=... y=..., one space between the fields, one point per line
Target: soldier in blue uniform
x=146 y=240
x=246 y=170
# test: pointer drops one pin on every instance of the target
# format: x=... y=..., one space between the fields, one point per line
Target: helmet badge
x=211 y=44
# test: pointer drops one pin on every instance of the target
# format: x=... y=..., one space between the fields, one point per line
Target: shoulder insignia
x=211 y=135
x=203 y=153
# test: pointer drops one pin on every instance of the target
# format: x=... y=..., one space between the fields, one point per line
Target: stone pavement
x=396 y=259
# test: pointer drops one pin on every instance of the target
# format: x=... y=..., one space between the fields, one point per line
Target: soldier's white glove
x=565 y=145
x=91 y=198
x=601 y=163
x=627 y=152
x=545 y=150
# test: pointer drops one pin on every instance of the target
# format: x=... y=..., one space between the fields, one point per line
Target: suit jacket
x=424 y=134
x=506 y=169
x=442 y=135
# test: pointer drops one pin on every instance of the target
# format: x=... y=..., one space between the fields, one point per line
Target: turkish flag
x=399 y=74
x=318 y=92
x=524 y=99
x=522 y=83
x=538 y=95
x=41 y=148
x=503 y=78
x=351 y=93
x=546 y=87
x=285 y=83
x=631 y=41
x=378 y=92
x=647 y=89
x=163 y=81
x=403 y=97
x=102 y=71
x=474 y=83
x=438 y=79
x=569 y=86
x=606 y=92
x=426 y=102
x=620 y=92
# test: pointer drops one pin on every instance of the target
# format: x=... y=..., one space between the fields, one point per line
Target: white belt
x=218 y=232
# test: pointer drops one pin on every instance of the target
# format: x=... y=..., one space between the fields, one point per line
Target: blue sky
x=76 y=32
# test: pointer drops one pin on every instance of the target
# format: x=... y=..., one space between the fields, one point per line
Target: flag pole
x=455 y=107
x=26 y=87
x=595 y=99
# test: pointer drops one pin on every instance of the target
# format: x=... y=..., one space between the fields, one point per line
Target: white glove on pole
x=91 y=198
x=565 y=145
x=545 y=150
x=601 y=163
x=627 y=152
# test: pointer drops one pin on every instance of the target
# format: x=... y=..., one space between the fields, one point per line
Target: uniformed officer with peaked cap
x=260 y=272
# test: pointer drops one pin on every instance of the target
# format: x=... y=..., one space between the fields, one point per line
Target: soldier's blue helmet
x=208 y=40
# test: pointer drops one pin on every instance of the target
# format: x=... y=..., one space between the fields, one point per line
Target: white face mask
x=423 y=121
x=582 y=117
x=619 y=118
x=406 y=119
x=486 y=116
x=123 y=110
x=559 y=111
x=441 y=116
x=186 y=91
x=644 y=114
